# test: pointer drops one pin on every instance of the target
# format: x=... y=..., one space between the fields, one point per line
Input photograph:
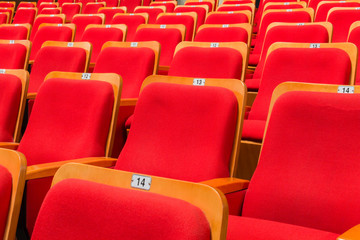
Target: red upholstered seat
x=208 y=62
x=71 y=9
x=45 y=19
x=12 y=56
x=3 y=18
x=152 y=11
x=47 y=5
x=196 y=3
x=5 y=196
x=112 y=3
x=7 y=5
x=92 y=8
x=26 y=5
x=297 y=178
x=130 y=4
x=301 y=33
x=81 y=21
x=341 y=19
x=10 y=11
x=50 y=11
x=110 y=12
x=24 y=15
x=50 y=58
x=131 y=21
x=179 y=18
x=354 y=37
x=323 y=8
x=77 y=115
x=236 y=7
x=158 y=108
x=222 y=34
x=201 y=12
x=170 y=5
x=227 y=18
x=50 y=33
x=61 y=2
x=84 y=3
x=320 y=65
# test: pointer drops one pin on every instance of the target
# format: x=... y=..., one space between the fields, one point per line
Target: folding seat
x=15 y=31
x=237 y=2
x=180 y=208
x=152 y=11
x=51 y=32
x=47 y=5
x=70 y=10
x=56 y=18
x=284 y=5
x=299 y=149
x=4 y=16
x=14 y=54
x=14 y=85
x=112 y=3
x=303 y=15
x=12 y=182
x=170 y=5
x=132 y=21
x=130 y=4
x=23 y=4
x=354 y=38
x=8 y=4
x=329 y=63
x=288 y=32
x=133 y=62
x=189 y=20
x=110 y=12
x=167 y=35
x=237 y=7
x=82 y=20
x=61 y=2
x=84 y=106
x=58 y=56
x=8 y=10
x=341 y=18
x=224 y=33
x=51 y=11
x=39 y=2
x=93 y=7
x=84 y=2
x=324 y=7
x=229 y=17
x=212 y=4
x=97 y=35
x=25 y=15
x=201 y=11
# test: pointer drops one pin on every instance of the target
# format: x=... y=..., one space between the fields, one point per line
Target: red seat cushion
x=132 y=22
x=187 y=21
x=354 y=37
x=40 y=20
x=12 y=56
x=130 y=4
x=5 y=197
x=153 y=13
x=322 y=12
x=82 y=21
x=110 y=213
x=13 y=32
x=207 y=63
x=92 y=8
x=201 y=13
x=24 y=15
x=258 y=229
x=206 y=113
x=227 y=18
x=253 y=129
x=109 y=13
x=225 y=34
x=341 y=21
x=70 y=10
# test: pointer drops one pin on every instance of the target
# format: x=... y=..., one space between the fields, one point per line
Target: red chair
x=82 y=20
x=93 y=7
x=324 y=7
x=8 y=4
x=169 y=203
x=354 y=37
x=130 y=4
x=109 y=12
x=47 y=5
x=10 y=11
x=61 y=2
x=306 y=203
x=14 y=54
x=236 y=7
x=201 y=11
x=187 y=19
x=26 y=5
x=25 y=15
x=56 y=18
x=49 y=11
x=112 y=3
x=170 y=5
x=132 y=21
x=210 y=3
x=341 y=19
x=70 y=10
x=284 y=5
x=229 y=17
x=15 y=31
x=84 y=2
x=152 y=11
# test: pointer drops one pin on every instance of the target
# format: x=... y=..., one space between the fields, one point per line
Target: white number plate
x=141 y=182
x=314 y=45
x=345 y=89
x=199 y=82
x=86 y=76
x=214 y=45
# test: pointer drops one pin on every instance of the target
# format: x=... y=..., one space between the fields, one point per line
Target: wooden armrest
x=31 y=62
x=9 y=145
x=250 y=69
x=128 y=102
x=247 y=108
x=352 y=233
x=49 y=169
x=31 y=95
x=164 y=68
x=227 y=185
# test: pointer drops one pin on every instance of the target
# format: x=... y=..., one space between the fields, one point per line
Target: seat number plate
x=314 y=45
x=86 y=76
x=345 y=89
x=141 y=182
x=199 y=82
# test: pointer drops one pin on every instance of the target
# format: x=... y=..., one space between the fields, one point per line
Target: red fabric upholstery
x=167 y=37
x=130 y=4
x=82 y=21
x=5 y=197
x=49 y=33
x=207 y=63
x=341 y=21
x=187 y=21
x=323 y=65
x=112 y=3
x=61 y=2
x=46 y=5
x=132 y=22
x=24 y=15
x=25 y=5
x=39 y=2
x=239 y=7
x=201 y=13
x=112 y=212
x=50 y=11
x=6 y=5
x=227 y=34
x=302 y=178
x=258 y=229
x=7 y=10
x=50 y=59
x=297 y=16
x=12 y=56
x=3 y=19
x=70 y=10
x=84 y=3
x=10 y=88
x=158 y=108
x=153 y=13
x=169 y=6
x=290 y=6
x=98 y=36
x=76 y=114
x=109 y=14
x=301 y=34
x=253 y=129
x=92 y=8
x=40 y=20
x=354 y=37
x=132 y=64
x=323 y=10
x=200 y=3
x=226 y=18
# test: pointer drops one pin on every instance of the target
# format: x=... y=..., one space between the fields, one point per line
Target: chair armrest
x=9 y=145
x=227 y=185
x=352 y=233
x=128 y=102
x=164 y=68
x=31 y=95
x=49 y=169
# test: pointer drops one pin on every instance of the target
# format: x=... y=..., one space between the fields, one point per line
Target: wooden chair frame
x=209 y=200
x=241 y=47
x=122 y=27
x=245 y=12
x=246 y=26
x=145 y=15
x=191 y=14
x=101 y=15
x=26 y=43
x=352 y=27
x=153 y=45
x=26 y=25
x=15 y=162
x=210 y=1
